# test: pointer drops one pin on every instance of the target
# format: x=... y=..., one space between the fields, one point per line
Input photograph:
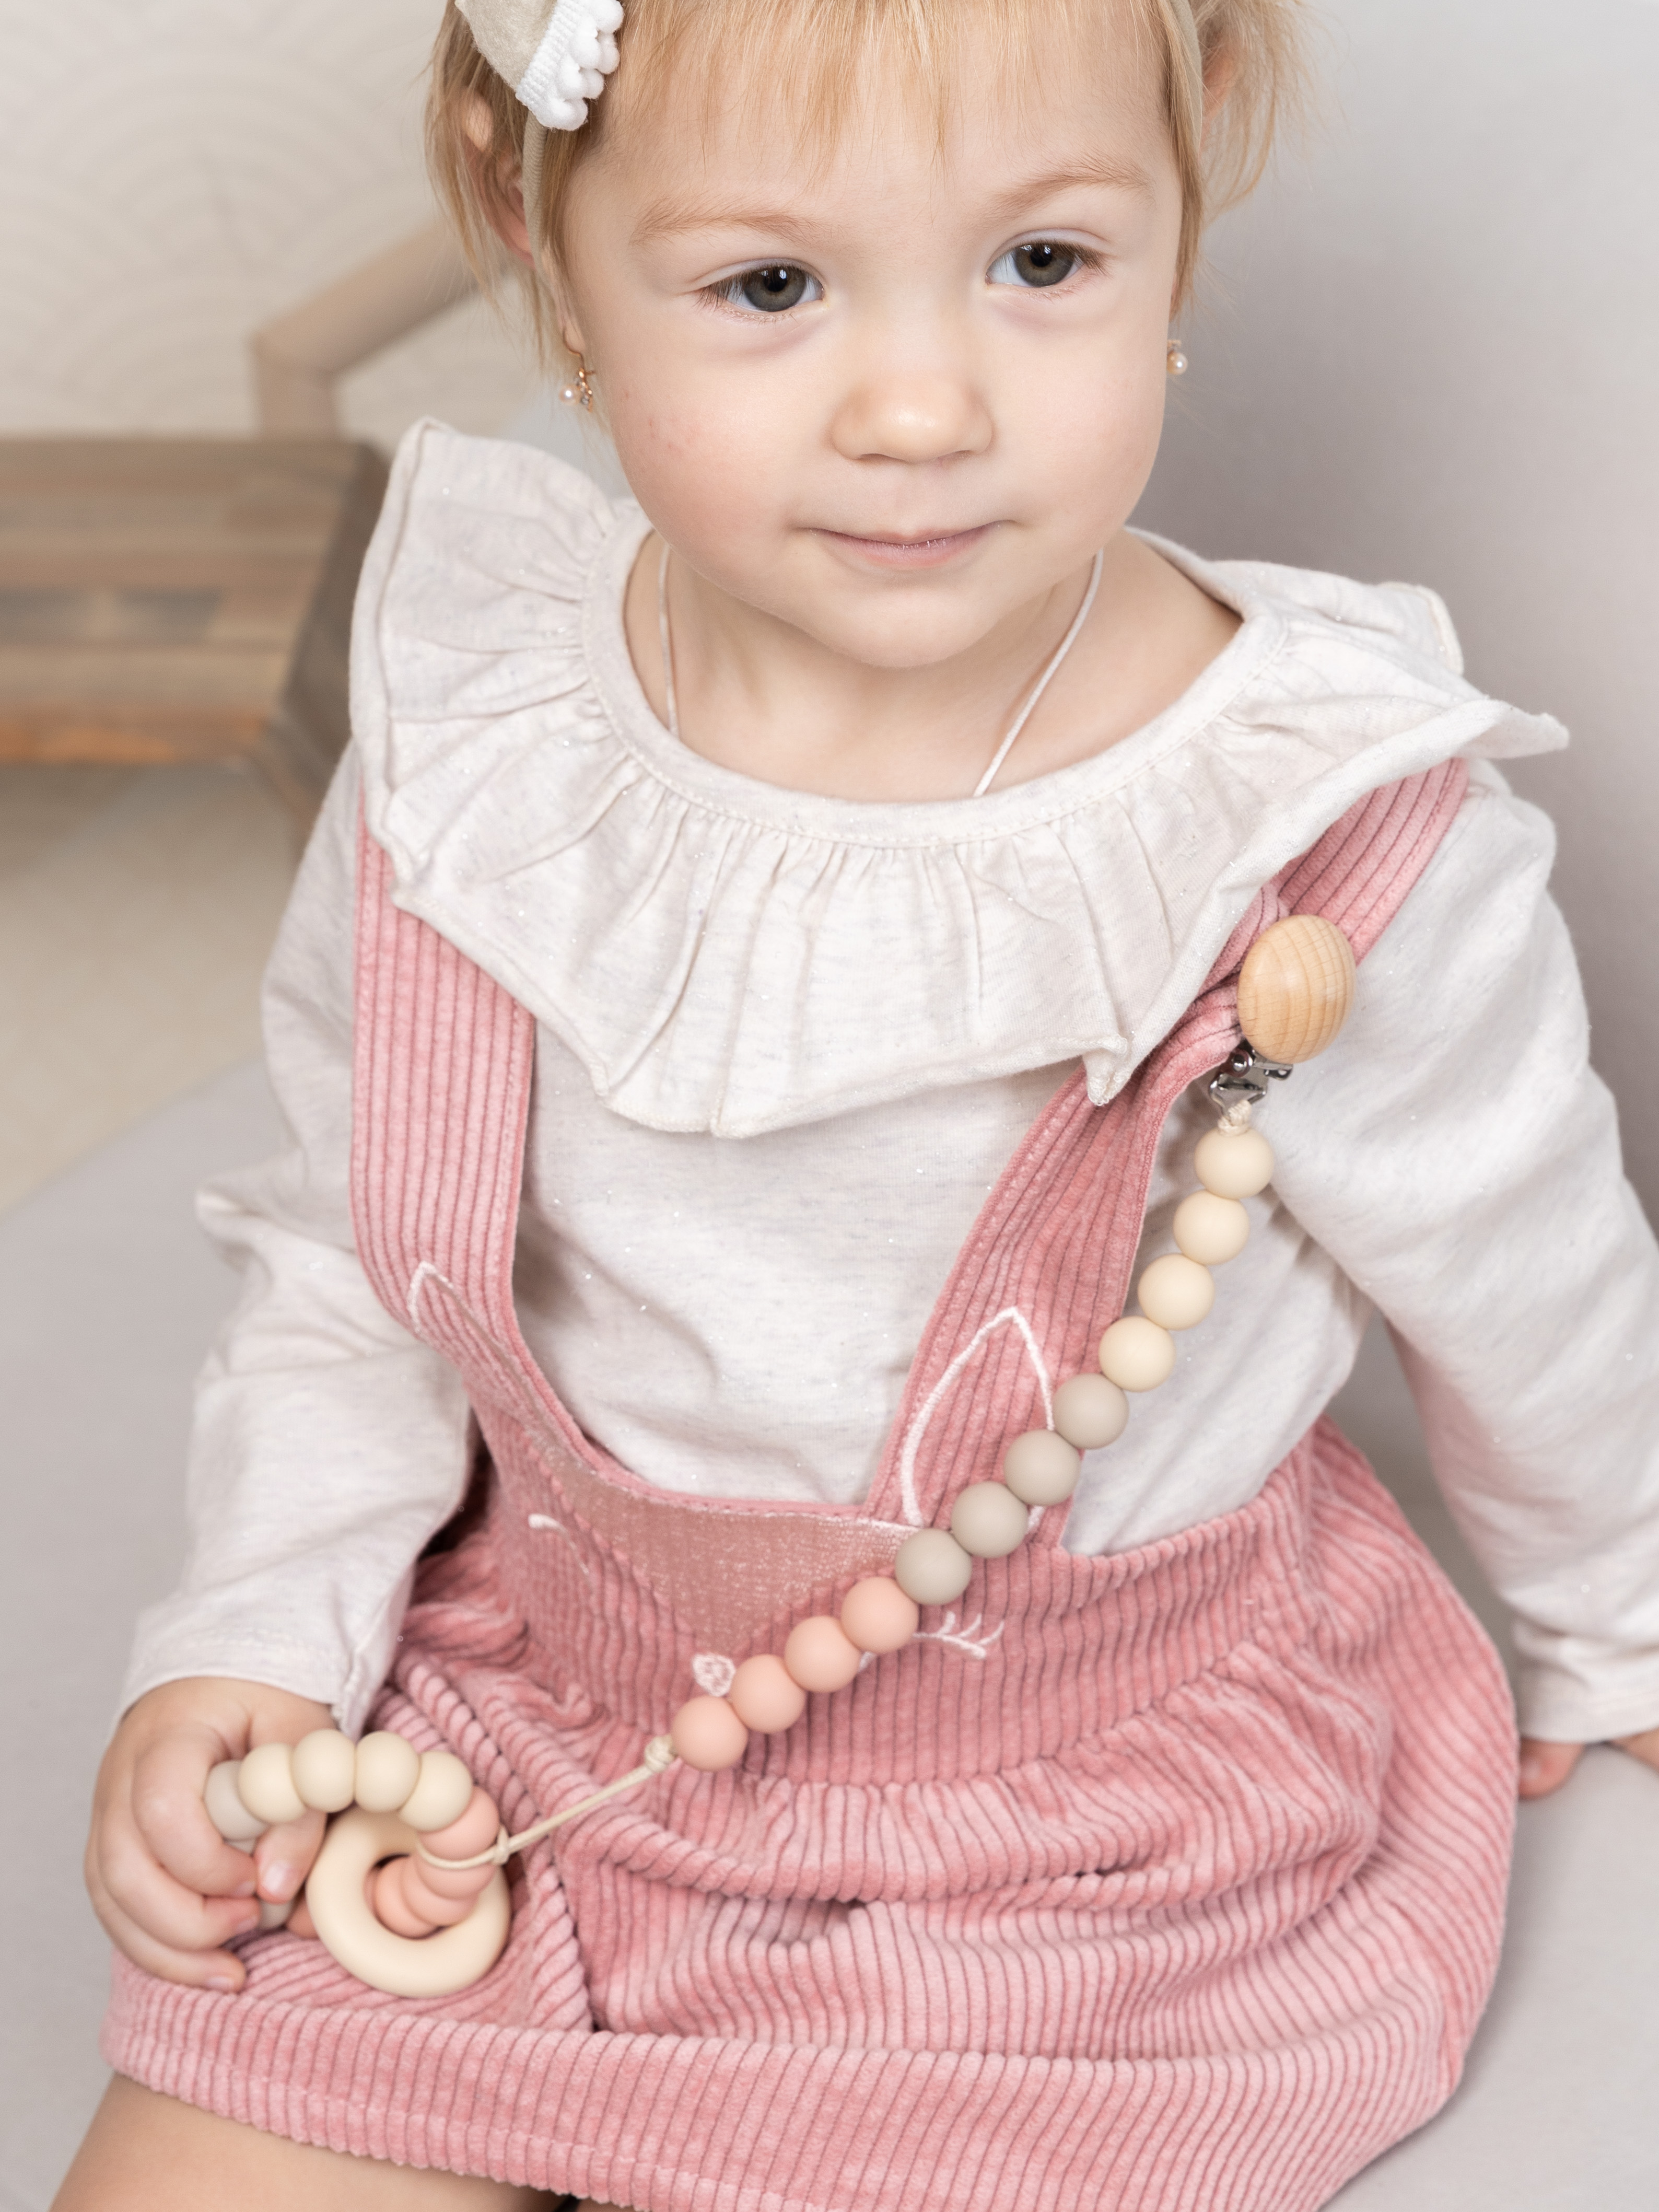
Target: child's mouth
x=930 y=549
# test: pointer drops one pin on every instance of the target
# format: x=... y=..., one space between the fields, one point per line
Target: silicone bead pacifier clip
x=407 y=1891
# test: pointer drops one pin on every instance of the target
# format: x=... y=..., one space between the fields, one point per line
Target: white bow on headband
x=555 y=54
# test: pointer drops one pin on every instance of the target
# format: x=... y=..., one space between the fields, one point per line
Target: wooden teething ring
x=403 y=1966
x=387 y=1797
x=406 y=1803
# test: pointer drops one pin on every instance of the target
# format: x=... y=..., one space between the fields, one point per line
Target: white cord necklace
x=1020 y=720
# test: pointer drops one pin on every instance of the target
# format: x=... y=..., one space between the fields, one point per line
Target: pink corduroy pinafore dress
x=1170 y=1881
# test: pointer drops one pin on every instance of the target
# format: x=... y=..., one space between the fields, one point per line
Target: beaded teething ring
x=407 y=1891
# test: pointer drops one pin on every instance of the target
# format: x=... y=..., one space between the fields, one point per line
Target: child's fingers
x=284 y=1855
x=202 y=1970
x=1545 y=1767
x=167 y=1781
x=122 y=1872
x=1644 y=1745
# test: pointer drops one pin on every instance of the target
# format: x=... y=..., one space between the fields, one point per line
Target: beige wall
x=174 y=173
x=1432 y=350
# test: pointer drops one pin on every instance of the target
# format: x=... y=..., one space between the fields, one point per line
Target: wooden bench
x=170 y=599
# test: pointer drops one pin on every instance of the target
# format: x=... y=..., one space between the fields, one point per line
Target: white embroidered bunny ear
x=555 y=54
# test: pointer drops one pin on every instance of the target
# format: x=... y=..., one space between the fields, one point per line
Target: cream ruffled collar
x=723 y=955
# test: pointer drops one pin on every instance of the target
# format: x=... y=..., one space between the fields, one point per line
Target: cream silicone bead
x=877 y=1616
x=1040 y=1468
x=1137 y=1354
x=325 y=1769
x=765 y=1696
x=932 y=1567
x=225 y=1808
x=440 y=1796
x=1175 y=1293
x=821 y=1655
x=266 y=1784
x=1234 y=1162
x=988 y=1521
x=707 y=1734
x=1090 y=1411
x=387 y=1768
x=241 y=1829
x=1211 y=1229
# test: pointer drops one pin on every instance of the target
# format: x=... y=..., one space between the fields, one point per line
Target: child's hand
x=1545 y=1767
x=168 y=1887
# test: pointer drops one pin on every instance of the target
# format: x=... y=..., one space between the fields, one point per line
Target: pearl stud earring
x=1175 y=359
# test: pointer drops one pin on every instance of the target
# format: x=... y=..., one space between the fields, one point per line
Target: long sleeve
x=328 y=1443
x=1476 y=1194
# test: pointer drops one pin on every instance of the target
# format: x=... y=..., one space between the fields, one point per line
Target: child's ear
x=498 y=190
x=507 y=216
x=1220 y=74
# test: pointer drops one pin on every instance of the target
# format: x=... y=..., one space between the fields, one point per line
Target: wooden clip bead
x=1296 y=989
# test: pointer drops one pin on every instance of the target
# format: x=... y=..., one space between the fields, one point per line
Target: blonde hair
x=1232 y=71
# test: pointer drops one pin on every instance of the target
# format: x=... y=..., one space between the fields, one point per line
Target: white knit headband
x=555 y=54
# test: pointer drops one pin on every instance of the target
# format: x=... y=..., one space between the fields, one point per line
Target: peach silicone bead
x=820 y=1654
x=988 y=1520
x=432 y=1894
x=1040 y=1468
x=387 y=1768
x=1137 y=1354
x=1236 y=1164
x=1175 y=1293
x=707 y=1734
x=1211 y=1229
x=391 y=1907
x=325 y=1769
x=765 y=1696
x=478 y=1828
x=1091 y=1412
x=879 y=1616
x=266 y=1783
x=932 y=1567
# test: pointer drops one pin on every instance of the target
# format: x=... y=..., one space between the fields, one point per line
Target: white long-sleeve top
x=785 y=1046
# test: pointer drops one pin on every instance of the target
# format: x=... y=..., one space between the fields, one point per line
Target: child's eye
x=1039 y=263
x=773 y=289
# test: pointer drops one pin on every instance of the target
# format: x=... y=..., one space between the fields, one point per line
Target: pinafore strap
x=444 y=1058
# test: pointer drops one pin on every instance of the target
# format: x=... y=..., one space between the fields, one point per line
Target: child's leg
x=144 y=2152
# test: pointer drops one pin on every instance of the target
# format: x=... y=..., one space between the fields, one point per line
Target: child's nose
x=915 y=417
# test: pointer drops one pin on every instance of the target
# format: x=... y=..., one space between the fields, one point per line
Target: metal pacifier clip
x=407 y=1891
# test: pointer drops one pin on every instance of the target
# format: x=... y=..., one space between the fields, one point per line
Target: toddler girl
x=744 y=1022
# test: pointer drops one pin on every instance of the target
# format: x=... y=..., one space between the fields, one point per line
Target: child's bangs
x=816 y=64
x=1225 y=72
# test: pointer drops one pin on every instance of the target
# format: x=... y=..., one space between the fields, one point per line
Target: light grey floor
x=107 y=1298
